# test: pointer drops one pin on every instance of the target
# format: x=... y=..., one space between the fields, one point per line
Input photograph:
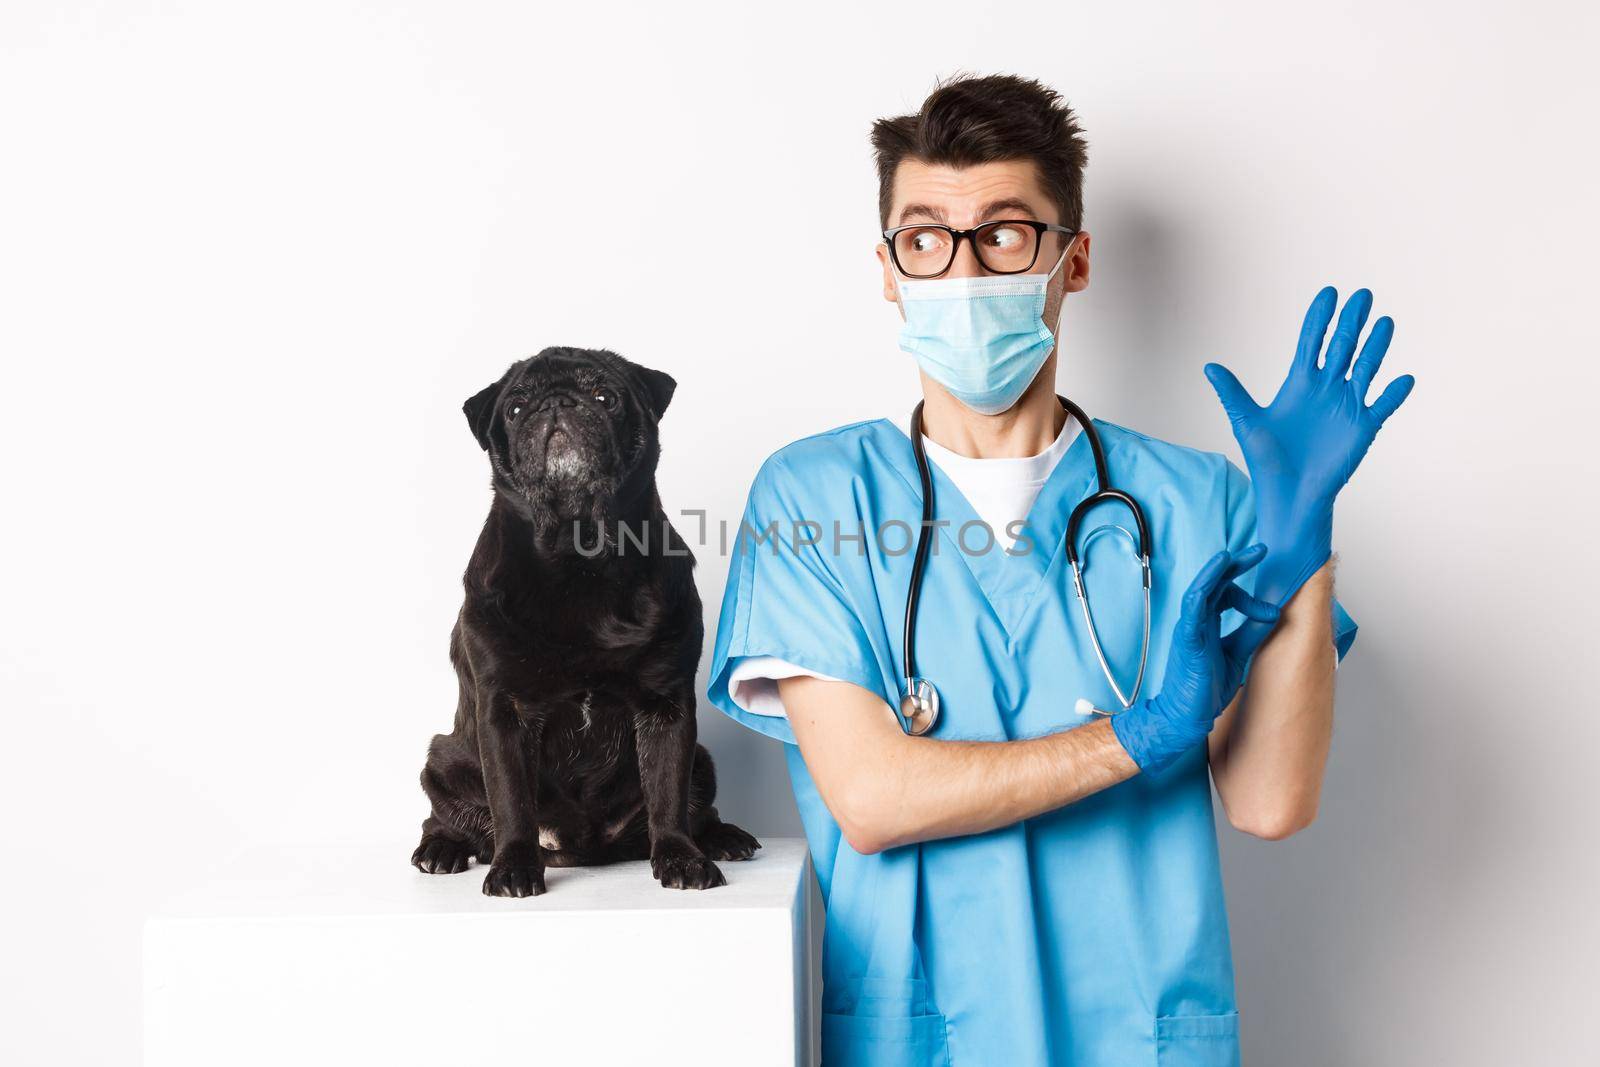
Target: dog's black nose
x=555 y=400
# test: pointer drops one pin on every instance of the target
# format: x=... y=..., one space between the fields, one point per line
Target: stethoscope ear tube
x=919 y=708
x=1107 y=496
x=1125 y=700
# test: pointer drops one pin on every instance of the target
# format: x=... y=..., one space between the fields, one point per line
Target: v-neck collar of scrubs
x=1002 y=489
x=1009 y=581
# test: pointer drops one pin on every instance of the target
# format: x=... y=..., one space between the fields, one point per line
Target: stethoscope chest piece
x=919 y=708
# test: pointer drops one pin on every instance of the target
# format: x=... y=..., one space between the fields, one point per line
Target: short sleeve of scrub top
x=784 y=600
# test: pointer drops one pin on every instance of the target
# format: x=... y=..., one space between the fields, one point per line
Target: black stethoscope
x=919 y=708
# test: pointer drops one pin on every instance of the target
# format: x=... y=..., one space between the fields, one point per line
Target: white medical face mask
x=983 y=339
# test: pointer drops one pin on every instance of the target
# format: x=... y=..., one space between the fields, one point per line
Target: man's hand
x=1204 y=669
x=1303 y=447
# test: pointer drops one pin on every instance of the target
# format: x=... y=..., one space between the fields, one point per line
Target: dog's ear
x=658 y=389
x=479 y=409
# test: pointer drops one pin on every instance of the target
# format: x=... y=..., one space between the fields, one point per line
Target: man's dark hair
x=968 y=120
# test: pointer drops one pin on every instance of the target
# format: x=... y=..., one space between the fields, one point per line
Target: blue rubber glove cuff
x=1293 y=555
x=1154 y=736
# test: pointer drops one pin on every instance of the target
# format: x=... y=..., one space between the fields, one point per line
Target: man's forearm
x=988 y=784
x=1270 y=747
x=891 y=789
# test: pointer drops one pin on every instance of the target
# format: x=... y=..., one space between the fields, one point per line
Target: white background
x=254 y=257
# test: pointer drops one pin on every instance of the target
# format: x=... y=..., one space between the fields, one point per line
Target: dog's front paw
x=678 y=864
x=514 y=880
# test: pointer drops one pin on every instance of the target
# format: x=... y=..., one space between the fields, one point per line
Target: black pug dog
x=576 y=648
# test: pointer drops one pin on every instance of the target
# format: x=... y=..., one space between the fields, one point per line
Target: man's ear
x=658 y=387
x=479 y=410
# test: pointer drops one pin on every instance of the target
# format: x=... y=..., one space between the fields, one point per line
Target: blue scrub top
x=1093 y=934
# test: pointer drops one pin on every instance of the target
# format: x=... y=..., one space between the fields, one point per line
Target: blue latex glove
x=1204 y=669
x=1303 y=447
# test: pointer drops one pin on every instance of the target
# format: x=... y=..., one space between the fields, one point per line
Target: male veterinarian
x=1019 y=863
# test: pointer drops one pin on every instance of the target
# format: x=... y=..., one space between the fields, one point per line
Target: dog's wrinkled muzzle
x=564 y=441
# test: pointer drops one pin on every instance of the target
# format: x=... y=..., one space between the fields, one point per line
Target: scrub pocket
x=888 y=1024
x=1198 y=1040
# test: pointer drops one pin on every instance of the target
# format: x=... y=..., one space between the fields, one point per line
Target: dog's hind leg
x=459 y=828
x=442 y=850
x=717 y=839
x=724 y=841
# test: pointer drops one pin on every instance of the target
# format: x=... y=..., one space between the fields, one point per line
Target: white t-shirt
x=1001 y=491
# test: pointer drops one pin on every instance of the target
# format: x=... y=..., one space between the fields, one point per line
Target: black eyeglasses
x=1006 y=246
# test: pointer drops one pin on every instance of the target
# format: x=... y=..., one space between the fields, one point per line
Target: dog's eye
x=516 y=409
x=606 y=397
